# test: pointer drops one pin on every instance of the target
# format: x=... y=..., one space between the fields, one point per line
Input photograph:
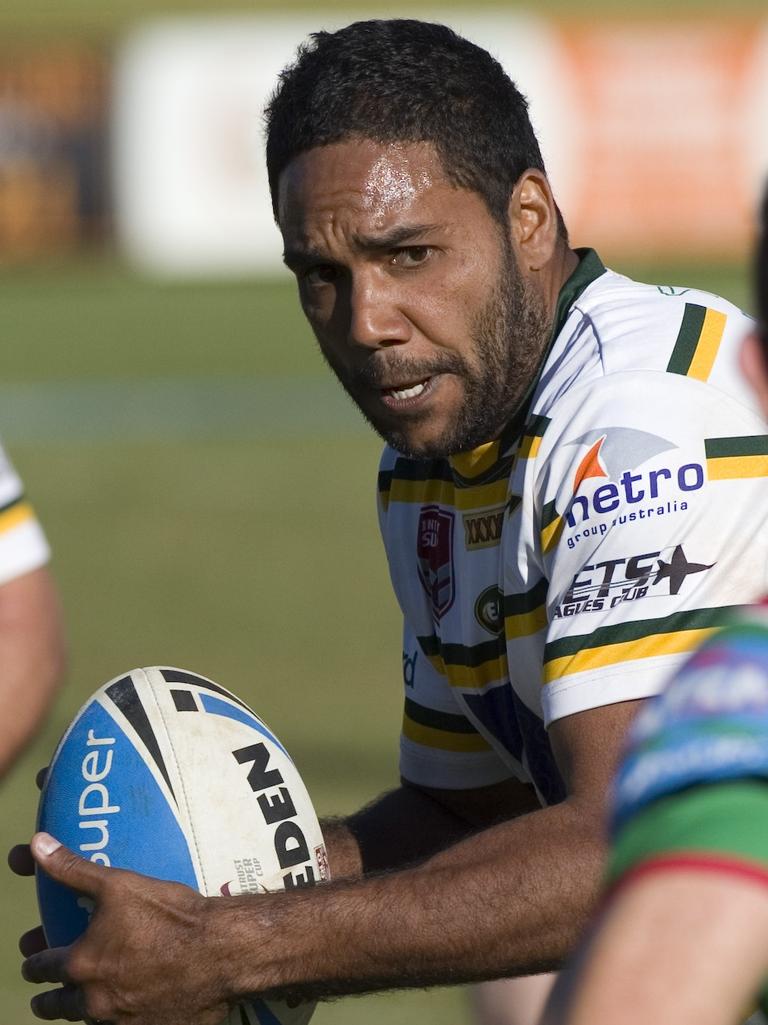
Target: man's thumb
x=61 y=864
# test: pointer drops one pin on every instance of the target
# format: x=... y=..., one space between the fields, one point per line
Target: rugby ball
x=166 y=773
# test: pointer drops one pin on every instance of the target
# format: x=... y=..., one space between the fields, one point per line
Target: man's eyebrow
x=396 y=237
x=296 y=257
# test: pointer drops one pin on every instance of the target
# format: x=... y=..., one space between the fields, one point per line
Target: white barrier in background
x=653 y=133
x=190 y=183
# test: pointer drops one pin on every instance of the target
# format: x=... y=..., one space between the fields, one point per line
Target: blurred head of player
x=416 y=215
x=754 y=353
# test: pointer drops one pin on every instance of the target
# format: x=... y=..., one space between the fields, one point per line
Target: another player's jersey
x=694 y=776
x=692 y=789
x=23 y=546
x=578 y=559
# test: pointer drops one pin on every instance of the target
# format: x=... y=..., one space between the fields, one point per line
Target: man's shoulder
x=629 y=350
x=616 y=298
x=669 y=328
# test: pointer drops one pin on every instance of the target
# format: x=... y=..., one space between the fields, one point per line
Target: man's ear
x=752 y=359
x=533 y=221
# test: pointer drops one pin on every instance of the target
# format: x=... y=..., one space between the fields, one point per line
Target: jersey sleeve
x=692 y=787
x=439 y=745
x=23 y=546
x=652 y=495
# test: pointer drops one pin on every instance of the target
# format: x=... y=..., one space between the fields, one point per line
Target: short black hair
x=402 y=80
x=761 y=275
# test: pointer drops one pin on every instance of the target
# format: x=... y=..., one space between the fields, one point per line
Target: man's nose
x=376 y=318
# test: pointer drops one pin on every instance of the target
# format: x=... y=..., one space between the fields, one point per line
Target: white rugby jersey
x=576 y=560
x=23 y=546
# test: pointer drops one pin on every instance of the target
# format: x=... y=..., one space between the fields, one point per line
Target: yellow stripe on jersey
x=636 y=639
x=552 y=524
x=737 y=469
x=610 y=654
x=468 y=666
x=494 y=670
x=526 y=613
x=525 y=624
x=708 y=344
x=529 y=447
x=480 y=459
x=737 y=458
x=698 y=339
x=444 y=492
x=533 y=432
x=14 y=515
x=551 y=535
x=443 y=740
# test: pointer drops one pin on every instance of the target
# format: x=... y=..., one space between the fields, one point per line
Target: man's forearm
x=471 y=912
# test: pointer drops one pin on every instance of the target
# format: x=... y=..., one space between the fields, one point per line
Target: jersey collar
x=481 y=459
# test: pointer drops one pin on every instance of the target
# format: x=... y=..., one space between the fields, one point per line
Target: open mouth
x=407 y=393
x=410 y=391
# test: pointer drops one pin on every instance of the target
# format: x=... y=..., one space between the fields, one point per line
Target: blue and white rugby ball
x=166 y=773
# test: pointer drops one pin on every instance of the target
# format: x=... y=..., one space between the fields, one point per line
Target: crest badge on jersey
x=434 y=550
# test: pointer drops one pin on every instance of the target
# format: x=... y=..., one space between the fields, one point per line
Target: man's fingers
x=67 y=1003
x=33 y=942
x=21 y=861
x=47 y=966
x=65 y=867
x=40 y=777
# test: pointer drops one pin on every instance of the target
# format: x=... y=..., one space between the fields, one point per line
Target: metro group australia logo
x=613 y=477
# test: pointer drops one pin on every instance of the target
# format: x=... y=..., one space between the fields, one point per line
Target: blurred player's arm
x=32 y=658
x=675 y=947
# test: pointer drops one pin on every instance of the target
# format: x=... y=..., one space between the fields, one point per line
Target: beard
x=509 y=334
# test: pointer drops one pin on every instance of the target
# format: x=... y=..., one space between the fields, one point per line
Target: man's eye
x=323 y=274
x=411 y=256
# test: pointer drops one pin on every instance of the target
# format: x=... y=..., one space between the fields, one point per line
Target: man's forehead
x=379 y=180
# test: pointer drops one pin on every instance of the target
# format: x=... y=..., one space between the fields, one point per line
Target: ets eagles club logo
x=434 y=550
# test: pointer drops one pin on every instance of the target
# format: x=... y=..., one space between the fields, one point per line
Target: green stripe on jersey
x=422 y=470
x=745 y=445
x=687 y=339
x=519 y=604
x=447 y=721
x=470 y=656
x=727 y=818
x=694 y=619
x=537 y=425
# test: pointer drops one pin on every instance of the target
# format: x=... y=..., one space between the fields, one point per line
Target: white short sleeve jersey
x=23 y=546
x=575 y=561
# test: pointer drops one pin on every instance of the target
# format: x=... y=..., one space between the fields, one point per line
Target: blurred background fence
x=208 y=491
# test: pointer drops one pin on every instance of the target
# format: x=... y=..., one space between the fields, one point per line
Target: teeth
x=409 y=393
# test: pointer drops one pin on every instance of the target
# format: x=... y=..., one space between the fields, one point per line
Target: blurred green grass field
x=246 y=549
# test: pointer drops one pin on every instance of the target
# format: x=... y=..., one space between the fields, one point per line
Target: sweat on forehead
x=384 y=183
x=393 y=180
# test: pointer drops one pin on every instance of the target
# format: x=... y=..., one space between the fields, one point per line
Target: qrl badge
x=434 y=548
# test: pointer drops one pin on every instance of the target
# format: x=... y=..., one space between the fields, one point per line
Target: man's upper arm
x=587 y=747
